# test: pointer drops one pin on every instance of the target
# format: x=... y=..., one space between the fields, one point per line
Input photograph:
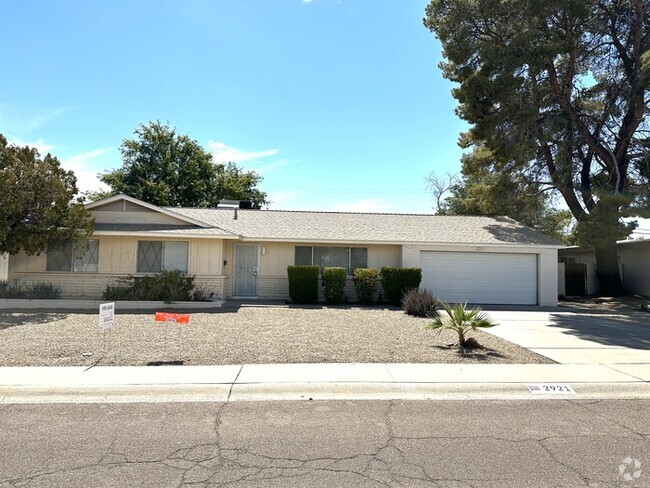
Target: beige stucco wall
x=118 y=257
x=210 y=261
x=274 y=257
x=273 y=282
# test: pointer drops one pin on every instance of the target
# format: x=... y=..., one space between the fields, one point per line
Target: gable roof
x=147 y=206
x=327 y=227
x=334 y=227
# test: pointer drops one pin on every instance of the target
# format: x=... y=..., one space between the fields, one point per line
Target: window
x=156 y=256
x=349 y=258
x=62 y=257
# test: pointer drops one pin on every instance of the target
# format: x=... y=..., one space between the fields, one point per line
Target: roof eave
x=399 y=243
x=184 y=235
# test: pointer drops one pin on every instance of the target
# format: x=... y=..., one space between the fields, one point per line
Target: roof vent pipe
x=235 y=217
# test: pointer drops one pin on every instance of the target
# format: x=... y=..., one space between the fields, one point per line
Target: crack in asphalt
x=210 y=464
x=605 y=417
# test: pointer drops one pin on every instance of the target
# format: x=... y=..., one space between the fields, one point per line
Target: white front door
x=246 y=270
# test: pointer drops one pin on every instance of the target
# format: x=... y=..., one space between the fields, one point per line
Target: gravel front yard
x=244 y=335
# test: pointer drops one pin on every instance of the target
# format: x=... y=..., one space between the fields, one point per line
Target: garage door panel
x=490 y=278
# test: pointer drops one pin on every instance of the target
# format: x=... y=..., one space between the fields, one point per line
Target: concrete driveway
x=620 y=341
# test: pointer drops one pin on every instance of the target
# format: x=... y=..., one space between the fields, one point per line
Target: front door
x=246 y=270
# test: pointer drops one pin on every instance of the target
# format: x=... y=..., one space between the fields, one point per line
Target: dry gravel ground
x=242 y=335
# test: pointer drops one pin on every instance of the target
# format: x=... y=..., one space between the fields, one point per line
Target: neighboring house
x=633 y=265
x=245 y=253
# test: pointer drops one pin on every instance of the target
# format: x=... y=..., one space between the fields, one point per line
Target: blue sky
x=339 y=105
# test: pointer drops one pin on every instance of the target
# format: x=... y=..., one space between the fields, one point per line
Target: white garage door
x=490 y=278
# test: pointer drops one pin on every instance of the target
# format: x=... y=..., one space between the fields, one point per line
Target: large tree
x=38 y=202
x=164 y=168
x=558 y=88
x=485 y=188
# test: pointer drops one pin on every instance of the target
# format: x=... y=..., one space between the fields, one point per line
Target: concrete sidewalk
x=312 y=381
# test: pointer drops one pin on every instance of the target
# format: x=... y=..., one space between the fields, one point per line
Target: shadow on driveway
x=607 y=329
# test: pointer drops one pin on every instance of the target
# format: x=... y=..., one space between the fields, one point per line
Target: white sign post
x=106 y=316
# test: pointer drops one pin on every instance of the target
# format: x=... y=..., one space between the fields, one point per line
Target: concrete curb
x=313 y=381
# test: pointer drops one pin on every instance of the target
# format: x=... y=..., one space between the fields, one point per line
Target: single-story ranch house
x=236 y=252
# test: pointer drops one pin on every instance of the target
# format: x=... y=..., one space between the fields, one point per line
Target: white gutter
x=162 y=234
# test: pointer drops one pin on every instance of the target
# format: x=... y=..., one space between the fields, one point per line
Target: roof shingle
x=366 y=227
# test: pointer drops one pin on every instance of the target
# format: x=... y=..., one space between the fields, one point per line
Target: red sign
x=179 y=318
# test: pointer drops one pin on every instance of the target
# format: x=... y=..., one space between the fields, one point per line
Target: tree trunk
x=607 y=271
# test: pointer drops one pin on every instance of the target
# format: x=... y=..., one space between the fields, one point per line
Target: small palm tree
x=460 y=320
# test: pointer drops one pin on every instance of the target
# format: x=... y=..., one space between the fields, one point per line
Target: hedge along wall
x=303 y=283
x=396 y=281
x=334 y=280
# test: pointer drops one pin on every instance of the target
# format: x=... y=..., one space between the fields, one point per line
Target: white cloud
x=223 y=153
x=39 y=144
x=82 y=166
x=267 y=168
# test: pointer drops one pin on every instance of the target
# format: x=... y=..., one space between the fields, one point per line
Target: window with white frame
x=157 y=256
x=349 y=258
x=62 y=256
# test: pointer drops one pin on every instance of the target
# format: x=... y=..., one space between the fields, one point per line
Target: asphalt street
x=454 y=443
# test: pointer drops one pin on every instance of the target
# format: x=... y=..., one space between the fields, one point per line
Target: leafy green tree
x=557 y=88
x=167 y=169
x=233 y=183
x=488 y=188
x=38 y=202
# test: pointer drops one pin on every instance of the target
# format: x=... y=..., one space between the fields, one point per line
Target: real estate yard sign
x=173 y=318
x=106 y=316
x=179 y=318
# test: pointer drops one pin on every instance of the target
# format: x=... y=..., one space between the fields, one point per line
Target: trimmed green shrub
x=334 y=284
x=365 y=284
x=303 y=283
x=166 y=286
x=420 y=303
x=396 y=281
x=115 y=293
